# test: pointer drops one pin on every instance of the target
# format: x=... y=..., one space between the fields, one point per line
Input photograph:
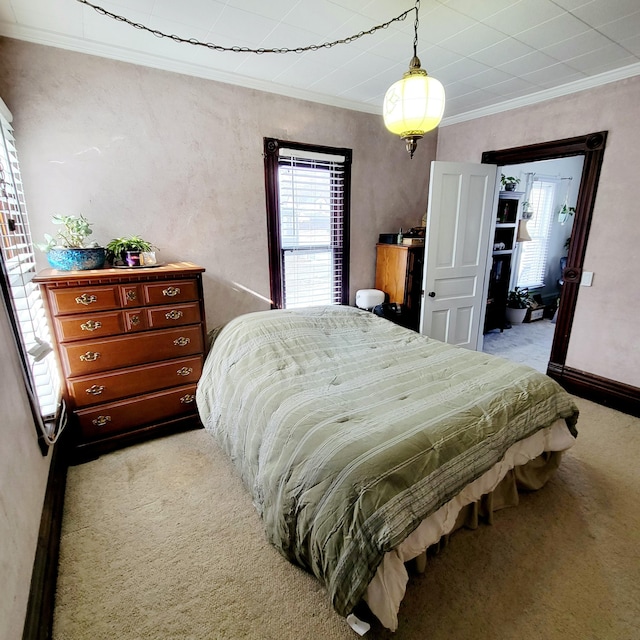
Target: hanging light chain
x=416 y=22
x=236 y=49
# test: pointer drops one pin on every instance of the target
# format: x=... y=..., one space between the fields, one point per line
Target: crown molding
x=79 y=45
x=121 y=54
x=548 y=94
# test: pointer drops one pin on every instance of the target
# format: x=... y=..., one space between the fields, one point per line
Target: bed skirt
x=526 y=466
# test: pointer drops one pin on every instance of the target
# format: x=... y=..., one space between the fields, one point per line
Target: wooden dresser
x=130 y=346
x=399 y=275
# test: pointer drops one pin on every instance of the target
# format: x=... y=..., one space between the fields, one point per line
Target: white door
x=460 y=218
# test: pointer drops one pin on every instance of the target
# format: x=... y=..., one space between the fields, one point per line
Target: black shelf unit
x=504 y=242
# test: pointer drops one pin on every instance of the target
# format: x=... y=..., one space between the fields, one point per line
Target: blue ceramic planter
x=76 y=259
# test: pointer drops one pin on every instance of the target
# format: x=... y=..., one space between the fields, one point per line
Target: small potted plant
x=565 y=212
x=517 y=305
x=130 y=251
x=509 y=182
x=68 y=250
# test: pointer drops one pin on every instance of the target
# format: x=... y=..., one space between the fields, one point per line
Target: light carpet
x=160 y=540
x=527 y=343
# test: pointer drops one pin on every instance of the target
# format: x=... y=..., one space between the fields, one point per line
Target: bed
x=363 y=443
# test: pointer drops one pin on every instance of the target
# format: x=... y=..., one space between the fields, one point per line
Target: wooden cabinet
x=399 y=275
x=504 y=242
x=130 y=345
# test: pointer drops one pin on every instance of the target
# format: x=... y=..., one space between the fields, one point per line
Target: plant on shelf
x=509 y=182
x=68 y=250
x=130 y=251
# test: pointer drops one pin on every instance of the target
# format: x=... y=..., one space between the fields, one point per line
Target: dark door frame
x=591 y=146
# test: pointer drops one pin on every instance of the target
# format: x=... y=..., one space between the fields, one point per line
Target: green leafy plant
x=567 y=211
x=72 y=236
x=117 y=248
x=505 y=180
x=518 y=298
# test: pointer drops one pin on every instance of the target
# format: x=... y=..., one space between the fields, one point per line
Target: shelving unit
x=504 y=242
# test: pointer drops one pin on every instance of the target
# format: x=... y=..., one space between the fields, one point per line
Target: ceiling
x=490 y=55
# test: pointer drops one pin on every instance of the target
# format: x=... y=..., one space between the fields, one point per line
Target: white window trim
x=23 y=300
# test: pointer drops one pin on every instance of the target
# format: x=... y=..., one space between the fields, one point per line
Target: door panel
x=459 y=222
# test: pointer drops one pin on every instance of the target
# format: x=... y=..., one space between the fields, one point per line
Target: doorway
x=591 y=147
x=546 y=194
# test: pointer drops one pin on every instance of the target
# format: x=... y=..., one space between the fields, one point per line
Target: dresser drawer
x=99 y=325
x=89 y=325
x=173 y=316
x=91 y=356
x=133 y=381
x=171 y=292
x=84 y=299
x=116 y=417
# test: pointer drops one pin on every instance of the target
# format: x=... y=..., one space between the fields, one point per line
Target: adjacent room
x=298 y=298
x=535 y=254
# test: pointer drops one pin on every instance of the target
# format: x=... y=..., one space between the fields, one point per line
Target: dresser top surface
x=113 y=274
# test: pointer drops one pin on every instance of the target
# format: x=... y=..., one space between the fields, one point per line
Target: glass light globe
x=413 y=105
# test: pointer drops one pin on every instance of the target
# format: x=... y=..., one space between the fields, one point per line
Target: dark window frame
x=271 y=164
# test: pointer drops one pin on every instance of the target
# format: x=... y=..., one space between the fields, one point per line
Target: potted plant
x=517 y=305
x=68 y=249
x=130 y=251
x=565 y=212
x=509 y=182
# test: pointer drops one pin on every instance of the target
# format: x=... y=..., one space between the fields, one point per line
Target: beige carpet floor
x=161 y=540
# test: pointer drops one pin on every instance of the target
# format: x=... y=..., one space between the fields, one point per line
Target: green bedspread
x=349 y=430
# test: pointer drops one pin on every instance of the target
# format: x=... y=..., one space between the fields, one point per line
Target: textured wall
x=179 y=160
x=23 y=478
x=604 y=334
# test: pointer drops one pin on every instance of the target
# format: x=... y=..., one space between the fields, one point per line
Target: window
x=308 y=192
x=533 y=256
x=21 y=296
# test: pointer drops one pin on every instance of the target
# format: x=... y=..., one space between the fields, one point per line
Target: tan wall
x=604 y=338
x=179 y=160
x=23 y=479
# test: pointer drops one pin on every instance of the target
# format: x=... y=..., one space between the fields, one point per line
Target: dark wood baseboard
x=39 y=617
x=617 y=395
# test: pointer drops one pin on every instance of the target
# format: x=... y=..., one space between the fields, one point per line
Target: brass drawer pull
x=131 y=295
x=135 y=319
x=86 y=299
x=188 y=398
x=90 y=325
x=101 y=421
x=181 y=341
x=173 y=315
x=90 y=356
x=95 y=389
x=171 y=291
x=185 y=371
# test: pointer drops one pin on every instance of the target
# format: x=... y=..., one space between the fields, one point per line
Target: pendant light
x=415 y=104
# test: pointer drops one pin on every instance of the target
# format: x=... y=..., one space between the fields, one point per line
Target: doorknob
x=432 y=294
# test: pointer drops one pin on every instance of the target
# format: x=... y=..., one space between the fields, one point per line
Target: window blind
x=312 y=224
x=22 y=295
x=533 y=257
